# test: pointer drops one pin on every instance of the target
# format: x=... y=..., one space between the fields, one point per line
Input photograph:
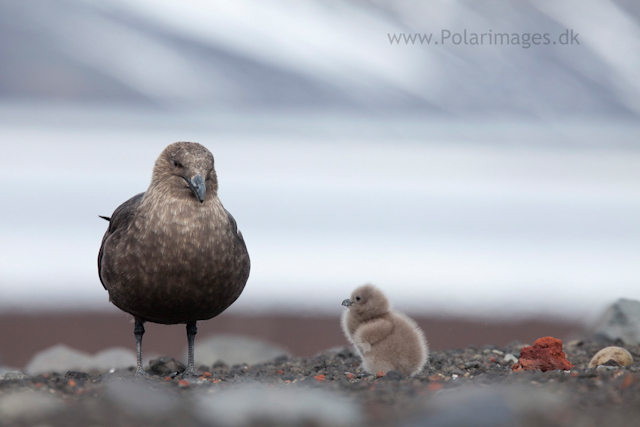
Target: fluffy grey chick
x=386 y=340
x=174 y=254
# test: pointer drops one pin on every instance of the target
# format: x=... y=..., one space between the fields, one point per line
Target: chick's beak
x=347 y=302
x=198 y=186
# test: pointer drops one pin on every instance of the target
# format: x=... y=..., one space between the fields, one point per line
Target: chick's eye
x=357 y=298
x=177 y=164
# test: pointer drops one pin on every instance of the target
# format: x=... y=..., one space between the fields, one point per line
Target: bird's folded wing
x=121 y=218
x=374 y=331
x=234 y=227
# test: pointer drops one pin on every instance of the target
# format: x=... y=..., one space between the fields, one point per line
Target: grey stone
x=338 y=351
x=28 y=406
x=288 y=406
x=165 y=366
x=472 y=364
x=393 y=376
x=453 y=370
x=620 y=321
x=606 y=367
x=491 y=406
x=234 y=350
x=59 y=358
x=138 y=398
x=13 y=375
x=78 y=376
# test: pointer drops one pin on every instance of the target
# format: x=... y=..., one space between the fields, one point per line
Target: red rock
x=379 y=374
x=319 y=377
x=628 y=381
x=435 y=386
x=184 y=383
x=72 y=383
x=350 y=376
x=280 y=371
x=545 y=355
x=207 y=374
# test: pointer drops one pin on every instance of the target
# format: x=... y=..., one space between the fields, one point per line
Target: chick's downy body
x=385 y=339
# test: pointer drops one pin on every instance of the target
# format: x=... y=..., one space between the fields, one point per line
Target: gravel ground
x=472 y=386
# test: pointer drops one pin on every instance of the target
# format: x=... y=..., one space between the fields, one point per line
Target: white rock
x=234 y=349
x=510 y=358
x=245 y=405
x=59 y=358
x=618 y=354
x=114 y=358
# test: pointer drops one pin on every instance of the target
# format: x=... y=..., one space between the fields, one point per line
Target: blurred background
x=481 y=186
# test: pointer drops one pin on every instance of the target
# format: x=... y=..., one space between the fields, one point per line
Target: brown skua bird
x=173 y=254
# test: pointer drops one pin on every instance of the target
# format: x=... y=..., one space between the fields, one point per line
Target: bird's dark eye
x=357 y=298
x=177 y=164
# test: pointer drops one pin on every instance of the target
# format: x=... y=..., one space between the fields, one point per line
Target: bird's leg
x=138 y=331
x=192 y=330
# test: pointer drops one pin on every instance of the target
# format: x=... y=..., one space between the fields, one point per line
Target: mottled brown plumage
x=386 y=340
x=174 y=254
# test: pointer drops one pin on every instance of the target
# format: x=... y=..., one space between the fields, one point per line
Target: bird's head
x=366 y=302
x=185 y=169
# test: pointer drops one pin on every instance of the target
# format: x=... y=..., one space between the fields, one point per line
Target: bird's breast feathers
x=177 y=221
x=183 y=237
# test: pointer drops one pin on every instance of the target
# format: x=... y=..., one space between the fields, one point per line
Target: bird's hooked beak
x=197 y=185
x=347 y=302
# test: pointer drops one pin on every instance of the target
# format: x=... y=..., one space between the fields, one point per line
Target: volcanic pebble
x=545 y=355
